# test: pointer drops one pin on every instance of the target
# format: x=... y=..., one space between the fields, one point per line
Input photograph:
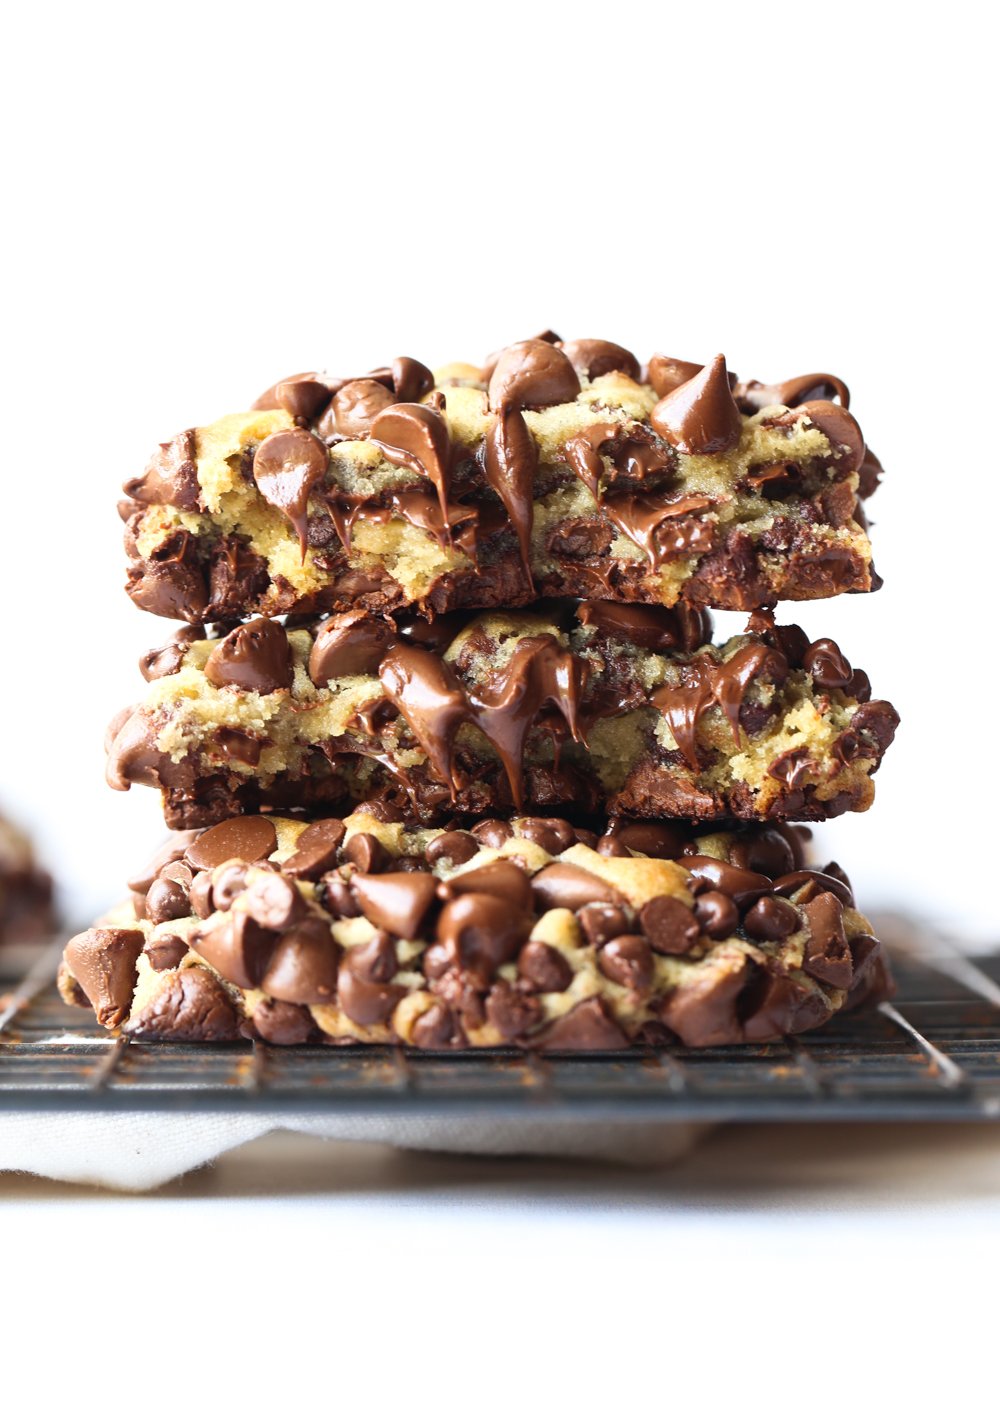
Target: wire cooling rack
x=933 y=1052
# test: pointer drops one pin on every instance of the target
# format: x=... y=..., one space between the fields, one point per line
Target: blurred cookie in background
x=27 y=910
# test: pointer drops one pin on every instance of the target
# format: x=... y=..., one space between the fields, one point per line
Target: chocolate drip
x=652 y=627
x=510 y=461
x=435 y=704
x=635 y=454
x=705 y=682
x=416 y=437
x=432 y=700
x=643 y=520
x=286 y=467
x=457 y=527
x=540 y=671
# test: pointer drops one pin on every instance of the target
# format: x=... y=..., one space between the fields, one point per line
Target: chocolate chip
x=367 y=1001
x=251 y=838
x=338 y=898
x=654 y=840
x=670 y=926
x=357 y=405
x=652 y=627
x=397 y=902
x=286 y=467
x=171 y=476
x=238 y=745
x=482 y=933
x=501 y=879
x=275 y=902
x=179 y=872
x=739 y=883
x=366 y=853
x=770 y=919
x=610 y=846
x=235 y=946
x=168 y=853
x=315 y=849
x=703 y=1012
x=718 y=915
x=167 y=900
x=411 y=379
x=435 y=1028
x=602 y=921
x=554 y=835
x=168 y=659
x=841 y=428
x=588 y=1028
x=279 y=1022
x=827 y=954
x=303 y=396
x=302 y=968
x=791 y=769
x=666 y=373
x=455 y=847
x=566 y=885
x=511 y=1012
x=494 y=833
x=828 y=666
x=700 y=415
x=200 y=895
x=255 y=657
x=531 y=375
x=865 y=951
x=349 y=644
x=189 y=1006
x=593 y=358
x=543 y=968
x=833 y=871
x=102 y=961
x=767 y=852
x=229 y=881
x=820 y=385
x=164 y=952
x=775 y=1005
x=627 y=960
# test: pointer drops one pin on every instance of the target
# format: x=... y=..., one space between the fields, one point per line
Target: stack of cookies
x=447 y=751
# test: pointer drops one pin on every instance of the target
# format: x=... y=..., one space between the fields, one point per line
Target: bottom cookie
x=527 y=933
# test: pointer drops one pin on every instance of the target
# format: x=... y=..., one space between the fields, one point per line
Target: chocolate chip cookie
x=526 y=931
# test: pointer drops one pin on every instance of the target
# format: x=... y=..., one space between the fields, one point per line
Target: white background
x=202 y=198
x=216 y=196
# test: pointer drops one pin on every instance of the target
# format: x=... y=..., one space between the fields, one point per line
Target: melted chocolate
x=286 y=467
x=705 y=682
x=510 y=461
x=539 y=672
x=416 y=437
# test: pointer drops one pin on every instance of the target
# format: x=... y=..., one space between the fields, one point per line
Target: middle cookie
x=627 y=708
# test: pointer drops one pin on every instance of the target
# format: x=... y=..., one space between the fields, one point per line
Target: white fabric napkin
x=141 y=1150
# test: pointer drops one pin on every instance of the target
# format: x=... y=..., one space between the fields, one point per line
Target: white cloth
x=141 y=1150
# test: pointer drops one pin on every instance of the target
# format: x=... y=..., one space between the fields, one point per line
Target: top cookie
x=557 y=469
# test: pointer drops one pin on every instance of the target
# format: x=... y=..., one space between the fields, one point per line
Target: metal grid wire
x=933 y=1052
